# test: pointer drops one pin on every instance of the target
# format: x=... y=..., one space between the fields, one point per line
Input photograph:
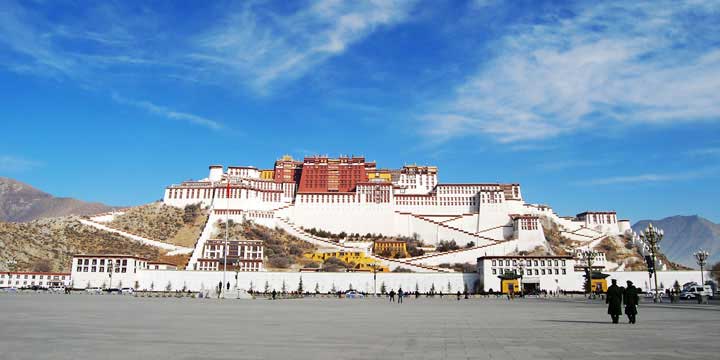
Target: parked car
x=649 y=293
x=93 y=290
x=694 y=291
x=127 y=290
x=352 y=294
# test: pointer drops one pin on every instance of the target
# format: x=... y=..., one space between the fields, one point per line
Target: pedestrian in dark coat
x=614 y=300
x=631 y=300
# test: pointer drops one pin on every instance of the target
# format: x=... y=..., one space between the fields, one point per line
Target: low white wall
x=362 y=281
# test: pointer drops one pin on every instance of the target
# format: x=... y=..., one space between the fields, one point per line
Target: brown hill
x=22 y=202
x=48 y=244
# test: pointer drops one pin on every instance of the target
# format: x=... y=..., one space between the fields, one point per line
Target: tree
x=317 y=288
x=417 y=287
x=449 y=287
x=715 y=271
x=432 y=288
x=168 y=287
x=383 y=290
x=267 y=287
x=137 y=285
x=283 y=289
x=152 y=286
x=300 y=286
x=251 y=287
x=350 y=287
x=120 y=284
x=333 y=289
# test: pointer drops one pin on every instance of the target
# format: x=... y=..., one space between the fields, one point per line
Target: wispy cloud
x=12 y=164
x=169 y=113
x=652 y=177
x=609 y=63
x=710 y=151
x=263 y=49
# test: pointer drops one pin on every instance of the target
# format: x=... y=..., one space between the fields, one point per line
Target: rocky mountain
x=684 y=235
x=21 y=202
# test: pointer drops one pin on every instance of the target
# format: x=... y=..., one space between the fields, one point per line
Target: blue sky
x=589 y=106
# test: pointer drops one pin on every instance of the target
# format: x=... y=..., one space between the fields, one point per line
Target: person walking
x=400 y=295
x=631 y=300
x=458 y=295
x=614 y=300
x=392 y=295
x=274 y=294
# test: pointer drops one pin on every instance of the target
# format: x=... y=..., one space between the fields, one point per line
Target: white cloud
x=612 y=63
x=263 y=49
x=652 y=177
x=10 y=163
x=169 y=113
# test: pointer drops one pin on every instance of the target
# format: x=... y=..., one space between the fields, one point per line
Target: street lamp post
x=110 y=271
x=521 y=272
x=652 y=237
x=588 y=257
x=701 y=256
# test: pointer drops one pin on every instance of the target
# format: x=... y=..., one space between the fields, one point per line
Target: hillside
x=158 y=221
x=684 y=235
x=282 y=250
x=22 y=202
x=617 y=249
x=48 y=244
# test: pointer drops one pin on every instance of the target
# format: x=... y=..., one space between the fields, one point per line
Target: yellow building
x=267 y=174
x=356 y=258
x=382 y=174
x=390 y=248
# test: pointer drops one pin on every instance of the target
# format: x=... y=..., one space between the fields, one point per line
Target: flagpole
x=227 y=230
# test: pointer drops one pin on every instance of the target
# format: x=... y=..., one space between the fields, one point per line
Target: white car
x=93 y=290
x=695 y=291
x=127 y=291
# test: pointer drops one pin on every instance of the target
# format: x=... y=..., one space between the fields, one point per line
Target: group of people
x=400 y=294
x=617 y=296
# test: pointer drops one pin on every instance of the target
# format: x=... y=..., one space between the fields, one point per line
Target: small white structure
x=549 y=273
x=106 y=270
x=27 y=279
x=242 y=255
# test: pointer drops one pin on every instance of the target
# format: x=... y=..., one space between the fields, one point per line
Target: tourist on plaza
x=631 y=300
x=392 y=295
x=458 y=295
x=274 y=294
x=614 y=300
x=400 y=295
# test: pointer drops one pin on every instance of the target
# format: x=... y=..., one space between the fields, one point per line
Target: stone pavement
x=41 y=326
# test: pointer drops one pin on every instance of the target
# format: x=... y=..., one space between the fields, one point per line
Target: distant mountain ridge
x=20 y=202
x=684 y=235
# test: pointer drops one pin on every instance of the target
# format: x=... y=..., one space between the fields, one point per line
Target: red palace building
x=324 y=174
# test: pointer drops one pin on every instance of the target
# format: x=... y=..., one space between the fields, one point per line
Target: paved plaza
x=44 y=326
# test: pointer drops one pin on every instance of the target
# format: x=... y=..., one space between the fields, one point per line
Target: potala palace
x=352 y=195
x=496 y=230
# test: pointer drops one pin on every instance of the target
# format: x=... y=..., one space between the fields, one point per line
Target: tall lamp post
x=652 y=237
x=701 y=256
x=521 y=272
x=588 y=258
x=110 y=271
